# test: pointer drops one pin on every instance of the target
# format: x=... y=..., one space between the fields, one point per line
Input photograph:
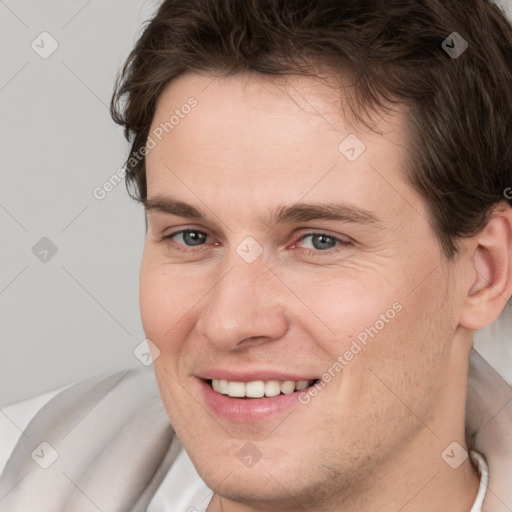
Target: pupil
x=193 y=237
x=322 y=242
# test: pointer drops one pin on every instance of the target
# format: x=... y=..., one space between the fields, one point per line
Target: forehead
x=252 y=105
x=262 y=140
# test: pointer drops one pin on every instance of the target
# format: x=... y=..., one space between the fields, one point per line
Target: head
x=326 y=198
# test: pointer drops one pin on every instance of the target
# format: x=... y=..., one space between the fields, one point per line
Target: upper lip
x=252 y=375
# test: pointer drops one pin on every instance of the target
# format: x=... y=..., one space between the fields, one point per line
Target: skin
x=372 y=438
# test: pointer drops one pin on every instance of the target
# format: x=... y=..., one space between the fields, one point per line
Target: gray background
x=76 y=313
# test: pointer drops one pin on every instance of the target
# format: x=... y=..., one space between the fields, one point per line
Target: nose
x=245 y=308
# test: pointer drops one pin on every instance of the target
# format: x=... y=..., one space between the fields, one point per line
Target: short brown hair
x=459 y=106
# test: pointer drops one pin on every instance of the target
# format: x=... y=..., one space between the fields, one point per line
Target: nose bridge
x=243 y=304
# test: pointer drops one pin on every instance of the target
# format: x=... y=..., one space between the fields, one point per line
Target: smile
x=258 y=388
x=253 y=396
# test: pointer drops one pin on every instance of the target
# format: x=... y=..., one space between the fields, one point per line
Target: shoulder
x=15 y=417
x=91 y=439
x=72 y=401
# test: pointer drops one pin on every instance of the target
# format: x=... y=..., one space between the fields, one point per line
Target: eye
x=186 y=238
x=191 y=237
x=321 y=242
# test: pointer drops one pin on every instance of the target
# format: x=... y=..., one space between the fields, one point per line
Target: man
x=327 y=226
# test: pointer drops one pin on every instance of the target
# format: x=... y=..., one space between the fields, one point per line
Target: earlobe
x=490 y=270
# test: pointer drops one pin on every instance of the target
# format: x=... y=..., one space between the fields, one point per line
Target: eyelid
x=341 y=242
x=173 y=234
x=175 y=230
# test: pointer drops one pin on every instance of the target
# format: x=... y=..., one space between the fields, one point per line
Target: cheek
x=338 y=308
x=404 y=367
x=154 y=303
x=380 y=333
x=165 y=298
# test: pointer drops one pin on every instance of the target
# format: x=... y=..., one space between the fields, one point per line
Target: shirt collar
x=483 y=469
x=489 y=430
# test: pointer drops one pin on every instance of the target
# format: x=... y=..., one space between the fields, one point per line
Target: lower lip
x=247 y=410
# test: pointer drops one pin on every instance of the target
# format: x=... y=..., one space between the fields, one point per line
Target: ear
x=488 y=285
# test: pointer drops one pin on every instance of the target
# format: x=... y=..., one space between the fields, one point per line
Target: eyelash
x=309 y=252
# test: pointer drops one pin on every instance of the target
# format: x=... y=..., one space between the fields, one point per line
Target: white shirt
x=182 y=490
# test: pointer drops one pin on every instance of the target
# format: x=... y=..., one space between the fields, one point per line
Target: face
x=281 y=253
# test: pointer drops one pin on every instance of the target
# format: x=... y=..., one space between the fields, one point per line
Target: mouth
x=258 y=389
x=251 y=401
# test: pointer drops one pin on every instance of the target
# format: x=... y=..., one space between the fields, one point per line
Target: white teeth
x=301 y=384
x=223 y=386
x=259 y=388
x=272 y=388
x=236 y=389
x=287 y=387
x=255 y=389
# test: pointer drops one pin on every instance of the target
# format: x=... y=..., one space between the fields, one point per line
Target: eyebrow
x=298 y=212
